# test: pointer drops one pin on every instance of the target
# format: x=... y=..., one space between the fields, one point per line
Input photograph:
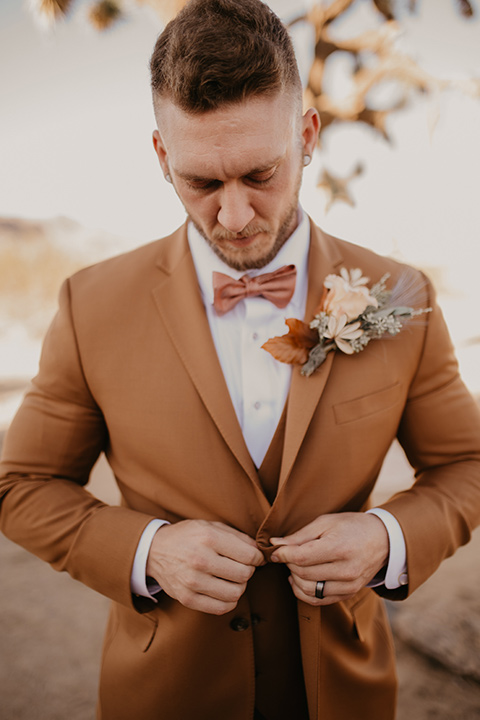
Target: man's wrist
x=139 y=583
x=395 y=572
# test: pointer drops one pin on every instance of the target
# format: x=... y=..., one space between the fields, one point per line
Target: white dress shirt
x=258 y=384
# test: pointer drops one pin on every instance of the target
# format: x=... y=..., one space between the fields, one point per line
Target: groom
x=242 y=559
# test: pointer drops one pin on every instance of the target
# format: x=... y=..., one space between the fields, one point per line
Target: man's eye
x=203 y=184
x=261 y=178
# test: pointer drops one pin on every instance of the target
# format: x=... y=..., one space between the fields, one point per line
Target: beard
x=239 y=260
x=252 y=258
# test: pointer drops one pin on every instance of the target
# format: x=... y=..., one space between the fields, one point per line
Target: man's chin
x=247 y=253
x=244 y=258
x=254 y=251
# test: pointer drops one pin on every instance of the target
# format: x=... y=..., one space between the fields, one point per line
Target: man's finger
x=207 y=604
x=312 y=531
x=196 y=561
x=331 y=587
x=314 y=552
x=227 y=569
x=214 y=587
x=230 y=545
x=223 y=540
x=233 y=531
x=333 y=593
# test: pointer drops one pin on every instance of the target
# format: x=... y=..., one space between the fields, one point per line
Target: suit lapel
x=305 y=393
x=180 y=306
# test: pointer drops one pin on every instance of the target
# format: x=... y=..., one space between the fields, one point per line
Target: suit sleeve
x=50 y=449
x=440 y=433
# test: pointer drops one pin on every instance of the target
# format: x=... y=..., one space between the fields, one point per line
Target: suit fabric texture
x=129 y=369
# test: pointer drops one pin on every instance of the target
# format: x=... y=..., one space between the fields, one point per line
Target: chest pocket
x=368 y=404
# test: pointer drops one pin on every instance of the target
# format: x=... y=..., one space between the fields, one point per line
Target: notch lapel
x=180 y=306
x=305 y=393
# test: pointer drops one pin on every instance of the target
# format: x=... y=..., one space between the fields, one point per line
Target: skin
x=237 y=171
x=345 y=550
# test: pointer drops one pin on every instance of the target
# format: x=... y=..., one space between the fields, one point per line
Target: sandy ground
x=51 y=633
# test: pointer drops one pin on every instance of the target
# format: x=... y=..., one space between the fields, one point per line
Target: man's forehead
x=259 y=115
x=232 y=141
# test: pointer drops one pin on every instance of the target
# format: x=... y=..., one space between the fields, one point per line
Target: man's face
x=237 y=171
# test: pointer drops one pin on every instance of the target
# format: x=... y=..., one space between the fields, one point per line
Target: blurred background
x=397 y=85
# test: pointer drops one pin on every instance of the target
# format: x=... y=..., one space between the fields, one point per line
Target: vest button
x=255 y=619
x=239 y=624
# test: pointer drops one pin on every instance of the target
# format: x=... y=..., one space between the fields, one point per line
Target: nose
x=235 y=209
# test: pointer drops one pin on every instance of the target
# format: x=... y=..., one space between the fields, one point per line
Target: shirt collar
x=293 y=252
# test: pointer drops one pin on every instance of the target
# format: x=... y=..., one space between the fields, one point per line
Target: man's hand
x=204 y=565
x=344 y=550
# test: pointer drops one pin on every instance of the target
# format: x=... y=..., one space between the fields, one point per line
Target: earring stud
x=168 y=177
x=307 y=159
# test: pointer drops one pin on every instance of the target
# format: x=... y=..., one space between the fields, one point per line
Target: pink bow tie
x=276 y=286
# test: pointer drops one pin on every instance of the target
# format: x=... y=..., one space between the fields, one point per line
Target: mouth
x=242 y=242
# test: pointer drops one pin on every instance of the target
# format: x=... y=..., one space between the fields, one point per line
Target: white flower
x=354 y=277
x=341 y=333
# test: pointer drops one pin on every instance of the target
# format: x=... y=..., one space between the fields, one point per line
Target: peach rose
x=345 y=298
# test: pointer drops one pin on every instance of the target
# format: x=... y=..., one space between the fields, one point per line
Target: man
x=241 y=558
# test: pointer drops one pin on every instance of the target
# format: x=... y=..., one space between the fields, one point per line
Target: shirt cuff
x=396 y=573
x=138 y=578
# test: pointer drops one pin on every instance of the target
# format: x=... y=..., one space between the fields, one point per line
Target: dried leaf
x=295 y=345
x=166 y=9
x=336 y=8
x=465 y=8
x=316 y=76
x=336 y=188
x=376 y=119
x=302 y=332
x=385 y=7
x=51 y=10
x=104 y=14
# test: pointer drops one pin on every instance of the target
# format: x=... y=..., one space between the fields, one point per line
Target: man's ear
x=310 y=130
x=161 y=153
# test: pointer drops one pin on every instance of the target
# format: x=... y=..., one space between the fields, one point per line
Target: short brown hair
x=219 y=52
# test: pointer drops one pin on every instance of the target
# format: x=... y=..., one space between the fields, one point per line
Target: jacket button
x=239 y=624
x=255 y=619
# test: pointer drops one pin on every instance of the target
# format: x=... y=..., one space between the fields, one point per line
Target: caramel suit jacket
x=129 y=368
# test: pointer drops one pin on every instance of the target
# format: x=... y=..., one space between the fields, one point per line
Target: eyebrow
x=254 y=171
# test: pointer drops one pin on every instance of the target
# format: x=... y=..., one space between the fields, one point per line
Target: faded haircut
x=220 y=52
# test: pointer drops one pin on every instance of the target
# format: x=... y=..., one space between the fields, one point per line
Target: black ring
x=320 y=589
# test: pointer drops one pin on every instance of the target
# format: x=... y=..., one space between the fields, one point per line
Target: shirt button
x=257 y=405
x=255 y=336
x=239 y=624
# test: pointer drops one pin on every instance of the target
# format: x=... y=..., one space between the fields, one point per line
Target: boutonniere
x=349 y=315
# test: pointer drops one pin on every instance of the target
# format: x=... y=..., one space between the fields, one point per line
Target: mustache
x=247 y=231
